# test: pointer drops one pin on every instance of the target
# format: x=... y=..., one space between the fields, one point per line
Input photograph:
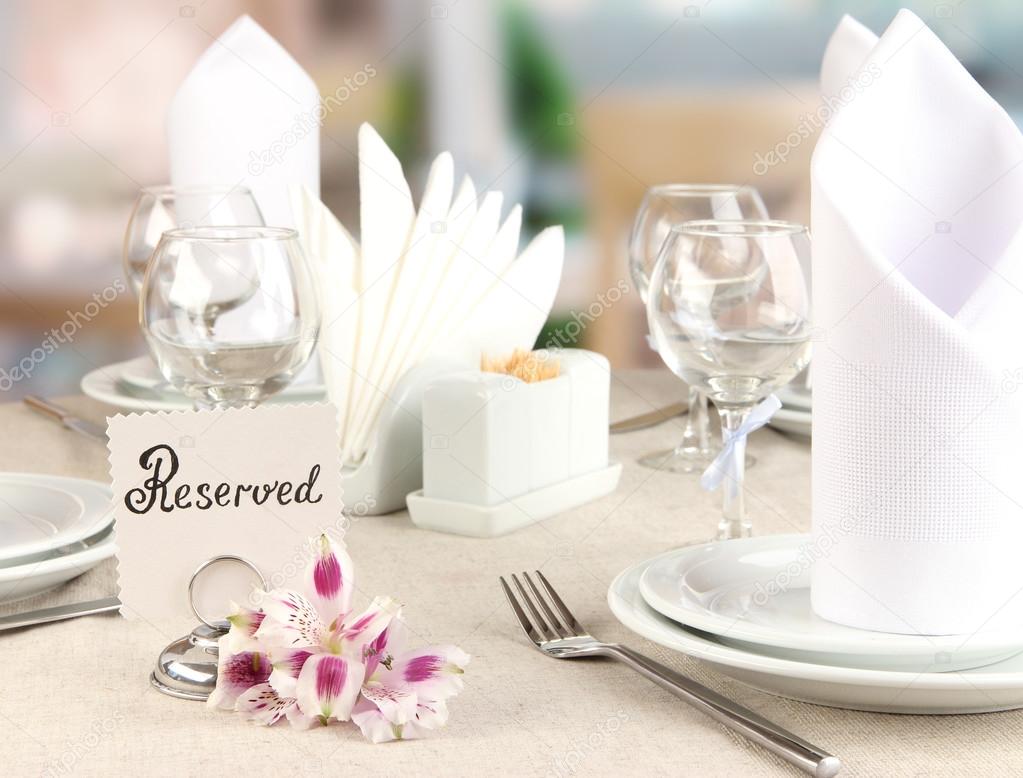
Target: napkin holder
x=393 y=465
x=500 y=454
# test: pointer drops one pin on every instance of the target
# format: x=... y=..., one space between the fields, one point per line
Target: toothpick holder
x=500 y=454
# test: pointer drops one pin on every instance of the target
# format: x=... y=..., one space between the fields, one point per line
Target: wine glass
x=729 y=310
x=662 y=208
x=258 y=343
x=161 y=208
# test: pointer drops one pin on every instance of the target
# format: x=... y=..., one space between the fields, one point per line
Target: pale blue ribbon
x=728 y=459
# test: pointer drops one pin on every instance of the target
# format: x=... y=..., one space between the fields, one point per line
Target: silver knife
x=650 y=419
x=67 y=418
x=59 y=613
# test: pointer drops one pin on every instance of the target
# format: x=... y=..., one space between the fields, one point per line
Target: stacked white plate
x=137 y=385
x=52 y=529
x=795 y=413
x=743 y=606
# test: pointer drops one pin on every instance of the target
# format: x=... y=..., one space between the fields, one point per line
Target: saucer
x=43 y=513
x=26 y=580
x=132 y=385
x=754 y=593
x=980 y=690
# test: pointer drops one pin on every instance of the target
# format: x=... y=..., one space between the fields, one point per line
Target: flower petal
x=434 y=672
x=374 y=725
x=328 y=686
x=388 y=643
x=377 y=729
x=396 y=701
x=287 y=665
x=236 y=673
x=244 y=623
x=291 y=621
x=331 y=579
x=365 y=628
x=265 y=706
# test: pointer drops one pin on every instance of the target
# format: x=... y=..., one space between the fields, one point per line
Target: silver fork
x=560 y=635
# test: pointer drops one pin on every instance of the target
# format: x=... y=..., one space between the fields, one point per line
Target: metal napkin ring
x=208 y=563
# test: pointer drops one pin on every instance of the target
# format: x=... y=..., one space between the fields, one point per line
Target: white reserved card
x=192 y=485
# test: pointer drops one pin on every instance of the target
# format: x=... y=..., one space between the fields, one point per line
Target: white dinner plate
x=21 y=581
x=123 y=385
x=757 y=591
x=795 y=396
x=793 y=421
x=40 y=513
x=995 y=687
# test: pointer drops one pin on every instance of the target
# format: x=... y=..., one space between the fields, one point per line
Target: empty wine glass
x=259 y=342
x=161 y=208
x=664 y=207
x=729 y=310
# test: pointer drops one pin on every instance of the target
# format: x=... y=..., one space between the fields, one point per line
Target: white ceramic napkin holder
x=500 y=454
x=393 y=465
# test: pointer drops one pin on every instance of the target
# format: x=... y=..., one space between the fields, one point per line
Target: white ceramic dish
x=795 y=396
x=39 y=513
x=488 y=521
x=757 y=591
x=22 y=581
x=121 y=385
x=792 y=421
x=995 y=687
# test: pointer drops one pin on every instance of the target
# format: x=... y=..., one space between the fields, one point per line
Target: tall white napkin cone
x=848 y=47
x=246 y=115
x=917 y=490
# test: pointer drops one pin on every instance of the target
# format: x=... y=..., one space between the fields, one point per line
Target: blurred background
x=573 y=107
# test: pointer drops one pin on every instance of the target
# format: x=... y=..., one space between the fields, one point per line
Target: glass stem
x=696 y=433
x=701 y=420
x=734 y=521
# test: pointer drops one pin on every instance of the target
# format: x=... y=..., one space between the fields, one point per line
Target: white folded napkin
x=246 y=114
x=918 y=272
x=439 y=282
x=847 y=48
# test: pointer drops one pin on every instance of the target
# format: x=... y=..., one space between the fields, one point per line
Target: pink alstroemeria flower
x=243 y=671
x=405 y=692
x=317 y=643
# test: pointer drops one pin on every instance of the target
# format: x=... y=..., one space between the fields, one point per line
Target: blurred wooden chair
x=633 y=141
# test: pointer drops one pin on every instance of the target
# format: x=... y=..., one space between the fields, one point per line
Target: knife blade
x=650 y=419
x=67 y=418
x=59 y=613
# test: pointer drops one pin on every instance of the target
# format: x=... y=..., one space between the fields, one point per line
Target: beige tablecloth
x=74 y=697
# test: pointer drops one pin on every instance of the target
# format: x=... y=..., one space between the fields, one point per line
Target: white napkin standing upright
x=246 y=115
x=438 y=282
x=847 y=49
x=918 y=296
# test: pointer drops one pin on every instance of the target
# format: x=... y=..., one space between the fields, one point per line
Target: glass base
x=684 y=460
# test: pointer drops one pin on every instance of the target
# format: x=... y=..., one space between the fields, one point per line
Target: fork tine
x=520 y=614
x=546 y=608
x=537 y=618
x=566 y=614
